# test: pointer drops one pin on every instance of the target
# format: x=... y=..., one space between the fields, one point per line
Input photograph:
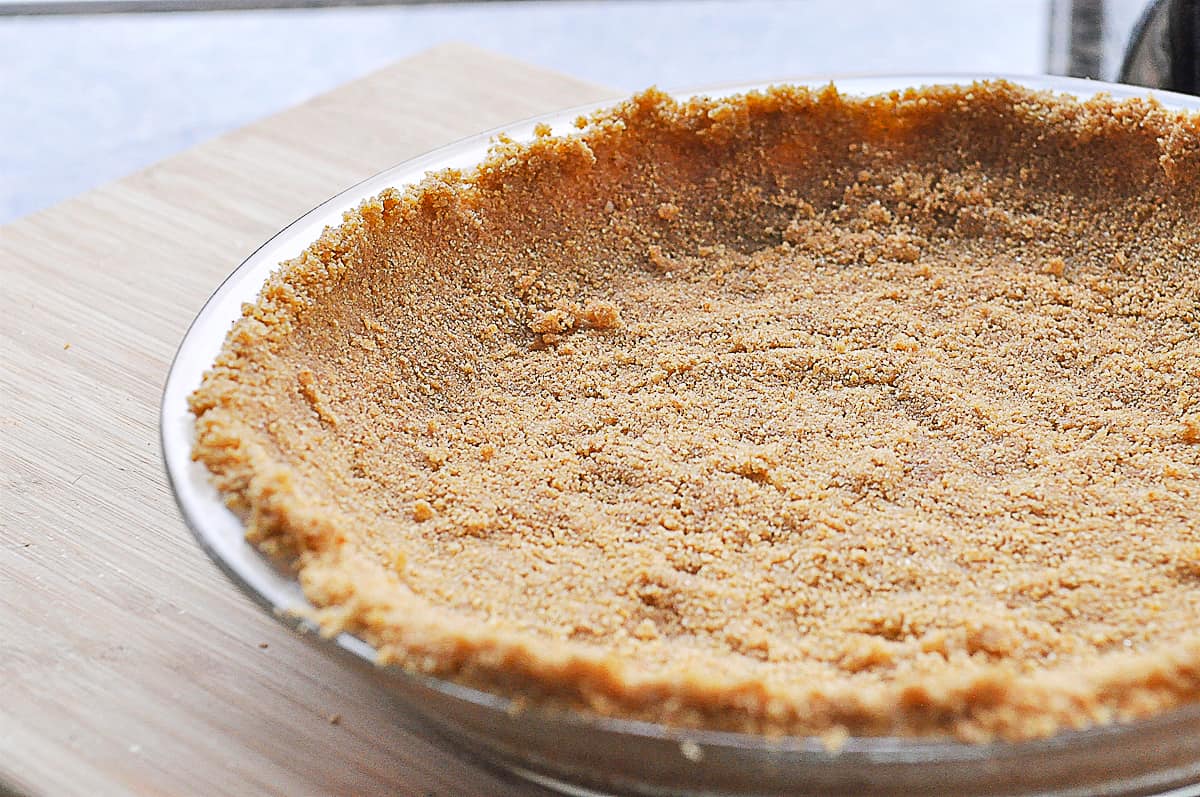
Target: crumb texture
x=787 y=413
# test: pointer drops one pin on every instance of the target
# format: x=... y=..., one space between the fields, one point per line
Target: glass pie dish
x=582 y=753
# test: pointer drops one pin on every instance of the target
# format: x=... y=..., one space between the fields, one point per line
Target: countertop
x=129 y=664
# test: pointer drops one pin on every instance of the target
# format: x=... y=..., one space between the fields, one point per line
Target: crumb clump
x=551 y=325
x=802 y=415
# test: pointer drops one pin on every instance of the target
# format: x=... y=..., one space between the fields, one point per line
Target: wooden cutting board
x=128 y=664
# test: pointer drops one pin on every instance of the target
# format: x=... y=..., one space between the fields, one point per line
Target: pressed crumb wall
x=788 y=413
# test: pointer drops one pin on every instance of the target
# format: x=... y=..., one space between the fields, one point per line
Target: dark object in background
x=1162 y=49
x=1155 y=45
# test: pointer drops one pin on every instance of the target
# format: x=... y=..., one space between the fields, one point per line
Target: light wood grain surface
x=128 y=664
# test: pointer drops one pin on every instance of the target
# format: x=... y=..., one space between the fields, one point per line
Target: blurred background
x=91 y=90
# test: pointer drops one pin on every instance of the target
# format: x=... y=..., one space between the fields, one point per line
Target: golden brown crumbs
x=553 y=321
x=1191 y=430
x=892 y=429
x=602 y=314
x=312 y=394
x=422 y=511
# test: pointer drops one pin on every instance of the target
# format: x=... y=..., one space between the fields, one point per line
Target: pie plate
x=582 y=754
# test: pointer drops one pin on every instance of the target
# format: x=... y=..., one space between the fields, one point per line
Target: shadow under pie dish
x=787 y=414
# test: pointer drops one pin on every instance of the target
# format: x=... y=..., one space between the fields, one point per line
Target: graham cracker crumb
x=602 y=314
x=315 y=398
x=422 y=511
x=556 y=320
x=436 y=456
x=659 y=260
x=646 y=629
x=852 y=464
